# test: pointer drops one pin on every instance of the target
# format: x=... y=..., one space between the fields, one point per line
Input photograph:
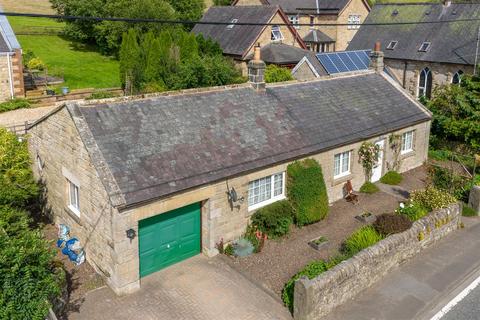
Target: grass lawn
x=81 y=65
x=35 y=6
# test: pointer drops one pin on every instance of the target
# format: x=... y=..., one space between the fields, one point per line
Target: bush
x=432 y=198
x=307 y=191
x=361 y=239
x=392 y=178
x=17 y=186
x=36 y=64
x=412 y=210
x=369 y=187
x=14 y=104
x=391 y=223
x=456 y=185
x=275 y=73
x=312 y=270
x=101 y=95
x=274 y=219
x=468 y=211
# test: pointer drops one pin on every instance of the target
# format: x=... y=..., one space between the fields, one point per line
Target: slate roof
x=450 y=42
x=317 y=36
x=309 y=6
x=239 y=39
x=8 y=40
x=155 y=147
x=281 y=54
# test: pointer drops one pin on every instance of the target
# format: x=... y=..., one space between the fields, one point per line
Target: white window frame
x=342 y=155
x=392 y=45
x=272 y=198
x=422 y=87
x=73 y=197
x=274 y=36
x=354 y=21
x=294 y=20
x=459 y=75
x=404 y=147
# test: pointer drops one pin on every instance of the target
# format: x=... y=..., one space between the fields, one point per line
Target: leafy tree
x=275 y=73
x=130 y=63
x=188 y=9
x=222 y=2
x=456 y=112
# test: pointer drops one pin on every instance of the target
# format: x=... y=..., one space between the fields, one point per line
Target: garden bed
x=281 y=259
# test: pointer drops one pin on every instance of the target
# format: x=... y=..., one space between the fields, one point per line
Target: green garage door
x=169 y=238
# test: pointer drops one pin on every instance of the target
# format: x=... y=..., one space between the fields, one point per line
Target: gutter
x=10 y=75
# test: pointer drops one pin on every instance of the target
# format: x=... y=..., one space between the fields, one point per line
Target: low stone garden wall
x=317 y=297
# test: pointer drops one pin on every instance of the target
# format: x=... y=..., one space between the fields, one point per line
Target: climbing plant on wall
x=368 y=156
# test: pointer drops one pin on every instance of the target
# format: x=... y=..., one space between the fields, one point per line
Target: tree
x=188 y=9
x=130 y=65
x=275 y=73
x=456 y=113
x=222 y=2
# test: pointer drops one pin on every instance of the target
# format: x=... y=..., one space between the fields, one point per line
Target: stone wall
x=409 y=74
x=11 y=70
x=474 y=199
x=344 y=34
x=5 y=93
x=317 y=297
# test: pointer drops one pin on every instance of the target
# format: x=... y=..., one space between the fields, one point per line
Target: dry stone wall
x=317 y=297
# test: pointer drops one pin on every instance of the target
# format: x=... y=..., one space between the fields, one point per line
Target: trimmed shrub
x=432 y=198
x=103 y=94
x=17 y=186
x=468 y=211
x=412 y=210
x=392 y=178
x=275 y=73
x=361 y=239
x=391 y=223
x=311 y=270
x=14 y=104
x=369 y=187
x=274 y=219
x=307 y=191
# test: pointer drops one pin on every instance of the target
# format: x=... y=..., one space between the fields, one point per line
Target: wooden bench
x=350 y=196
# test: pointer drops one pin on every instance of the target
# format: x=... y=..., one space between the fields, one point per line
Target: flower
x=402 y=205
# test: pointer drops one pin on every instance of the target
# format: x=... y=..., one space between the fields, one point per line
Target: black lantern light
x=131 y=234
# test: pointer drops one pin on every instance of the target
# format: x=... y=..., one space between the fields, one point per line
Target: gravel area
x=281 y=259
x=19 y=116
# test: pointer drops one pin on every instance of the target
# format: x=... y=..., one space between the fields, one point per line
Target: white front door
x=377 y=168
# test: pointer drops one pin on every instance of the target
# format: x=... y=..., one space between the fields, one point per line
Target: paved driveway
x=198 y=288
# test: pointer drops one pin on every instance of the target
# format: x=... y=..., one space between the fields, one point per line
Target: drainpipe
x=10 y=76
x=405 y=75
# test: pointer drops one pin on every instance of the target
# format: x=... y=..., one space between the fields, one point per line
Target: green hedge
x=14 y=104
x=307 y=191
x=274 y=219
x=29 y=276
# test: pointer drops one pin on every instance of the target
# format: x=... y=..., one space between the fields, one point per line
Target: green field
x=81 y=65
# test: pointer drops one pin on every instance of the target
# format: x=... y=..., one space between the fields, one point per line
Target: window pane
x=259 y=190
x=278 y=185
x=345 y=162
x=336 y=170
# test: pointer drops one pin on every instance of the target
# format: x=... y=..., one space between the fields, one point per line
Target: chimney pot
x=376 y=58
x=256 y=70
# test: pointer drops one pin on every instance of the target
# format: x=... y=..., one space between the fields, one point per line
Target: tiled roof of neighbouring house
x=8 y=40
x=309 y=6
x=281 y=54
x=162 y=145
x=238 y=39
x=317 y=36
x=453 y=42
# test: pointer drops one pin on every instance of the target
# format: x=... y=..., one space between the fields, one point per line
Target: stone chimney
x=376 y=58
x=256 y=70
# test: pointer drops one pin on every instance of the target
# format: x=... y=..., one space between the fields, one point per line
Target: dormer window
x=276 y=33
x=424 y=47
x=230 y=26
x=392 y=45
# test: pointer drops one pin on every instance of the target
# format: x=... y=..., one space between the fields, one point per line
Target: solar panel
x=344 y=61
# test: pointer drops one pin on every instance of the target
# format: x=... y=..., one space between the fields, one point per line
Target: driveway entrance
x=197 y=288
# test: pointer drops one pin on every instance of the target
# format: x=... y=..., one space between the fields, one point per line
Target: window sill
x=341 y=179
x=407 y=154
x=74 y=214
x=265 y=203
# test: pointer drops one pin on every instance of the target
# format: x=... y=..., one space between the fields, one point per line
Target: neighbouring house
x=281 y=44
x=424 y=55
x=144 y=183
x=346 y=16
x=11 y=65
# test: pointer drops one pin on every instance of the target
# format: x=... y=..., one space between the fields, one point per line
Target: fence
x=19 y=129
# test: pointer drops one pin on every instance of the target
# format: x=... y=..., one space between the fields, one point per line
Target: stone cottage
x=11 y=66
x=281 y=45
x=422 y=56
x=144 y=182
x=304 y=14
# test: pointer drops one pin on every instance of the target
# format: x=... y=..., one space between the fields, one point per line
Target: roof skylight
x=392 y=45
x=424 y=47
x=230 y=26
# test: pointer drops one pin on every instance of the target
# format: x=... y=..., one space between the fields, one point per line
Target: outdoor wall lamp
x=233 y=197
x=131 y=234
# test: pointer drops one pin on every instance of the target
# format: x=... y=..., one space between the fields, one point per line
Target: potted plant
x=318 y=243
x=366 y=217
